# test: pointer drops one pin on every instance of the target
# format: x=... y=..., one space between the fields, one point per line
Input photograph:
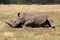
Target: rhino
x=33 y=20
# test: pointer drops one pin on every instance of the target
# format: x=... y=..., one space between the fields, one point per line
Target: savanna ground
x=9 y=12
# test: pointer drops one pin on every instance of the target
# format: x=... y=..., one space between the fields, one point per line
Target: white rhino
x=33 y=20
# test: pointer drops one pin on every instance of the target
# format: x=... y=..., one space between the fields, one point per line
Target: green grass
x=8 y=33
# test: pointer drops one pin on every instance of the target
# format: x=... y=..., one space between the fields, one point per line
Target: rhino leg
x=27 y=23
x=51 y=23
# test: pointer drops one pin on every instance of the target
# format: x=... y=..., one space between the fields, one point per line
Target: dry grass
x=29 y=8
x=8 y=12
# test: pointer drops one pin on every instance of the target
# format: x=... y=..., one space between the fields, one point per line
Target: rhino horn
x=8 y=23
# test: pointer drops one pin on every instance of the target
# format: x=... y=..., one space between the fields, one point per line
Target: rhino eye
x=11 y=21
x=14 y=21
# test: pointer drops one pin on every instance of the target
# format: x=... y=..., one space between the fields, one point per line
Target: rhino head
x=14 y=24
x=18 y=22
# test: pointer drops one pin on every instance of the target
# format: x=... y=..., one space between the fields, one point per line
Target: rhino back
x=40 y=19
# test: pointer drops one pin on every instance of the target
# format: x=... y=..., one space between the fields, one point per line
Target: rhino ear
x=19 y=14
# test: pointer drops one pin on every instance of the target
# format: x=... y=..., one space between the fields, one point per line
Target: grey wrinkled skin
x=33 y=20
